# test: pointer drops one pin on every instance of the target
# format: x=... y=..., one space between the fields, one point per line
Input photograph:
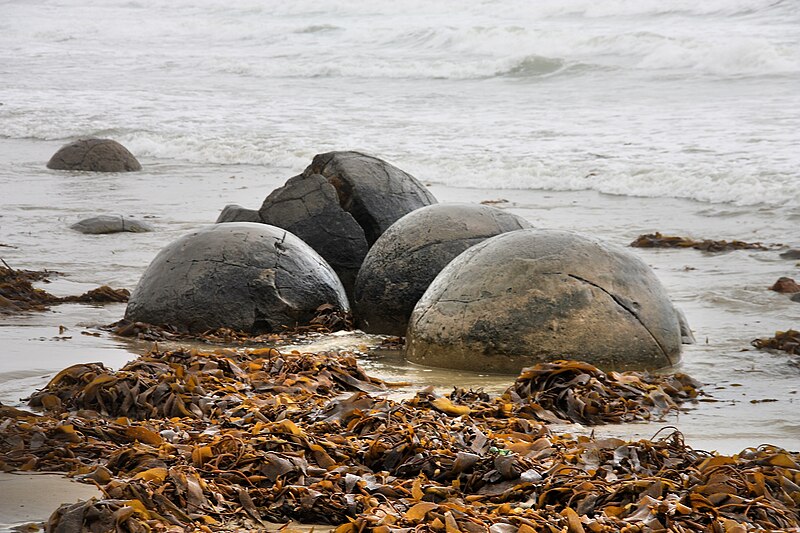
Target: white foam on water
x=679 y=98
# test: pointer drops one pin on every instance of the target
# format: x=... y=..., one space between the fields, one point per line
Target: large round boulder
x=341 y=204
x=241 y=275
x=95 y=155
x=408 y=256
x=533 y=296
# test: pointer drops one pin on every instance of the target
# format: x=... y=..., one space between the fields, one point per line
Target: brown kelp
x=233 y=439
x=327 y=319
x=657 y=240
x=17 y=293
x=787 y=341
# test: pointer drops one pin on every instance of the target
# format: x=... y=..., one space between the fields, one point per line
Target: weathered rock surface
x=96 y=155
x=240 y=275
x=341 y=204
x=111 y=224
x=407 y=257
x=237 y=213
x=531 y=296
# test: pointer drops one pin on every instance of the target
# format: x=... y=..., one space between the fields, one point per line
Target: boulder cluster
x=470 y=286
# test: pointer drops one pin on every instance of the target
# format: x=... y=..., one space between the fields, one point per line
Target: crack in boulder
x=620 y=302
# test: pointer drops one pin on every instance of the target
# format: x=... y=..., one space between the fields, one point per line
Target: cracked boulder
x=244 y=276
x=341 y=204
x=407 y=257
x=534 y=296
x=95 y=155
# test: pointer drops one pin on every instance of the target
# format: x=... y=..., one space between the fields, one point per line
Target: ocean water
x=652 y=98
x=610 y=117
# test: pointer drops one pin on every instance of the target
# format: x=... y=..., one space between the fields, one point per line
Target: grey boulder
x=341 y=204
x=533 y=296
x=408 y=256
x=111 y=224
x=237 y=213
x=243 y=276
x=687 y=335
x=95 y=155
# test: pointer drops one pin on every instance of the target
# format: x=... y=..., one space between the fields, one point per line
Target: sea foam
x=650 y=98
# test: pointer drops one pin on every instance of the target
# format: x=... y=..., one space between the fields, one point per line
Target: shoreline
x=724 y=296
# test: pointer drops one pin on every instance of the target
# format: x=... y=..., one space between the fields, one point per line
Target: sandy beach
x=29 y=499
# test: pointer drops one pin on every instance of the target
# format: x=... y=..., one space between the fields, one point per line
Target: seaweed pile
x=102 y=294
x=787 y=341
x=657 y=240
x=327 y=319
x=17 y=293
x=232 y=439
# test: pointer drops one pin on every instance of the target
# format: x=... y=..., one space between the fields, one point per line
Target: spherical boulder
x=341 y=204
x=95 y=155
x=240 y=275
x=407 y=257
x=533 y=296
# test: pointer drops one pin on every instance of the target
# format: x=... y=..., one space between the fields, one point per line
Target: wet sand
x=32 y=498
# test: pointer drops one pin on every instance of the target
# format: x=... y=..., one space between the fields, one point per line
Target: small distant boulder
x=111 y=224
x=240 y=275
x=237 y=213
x=341 y=204
x=407 y=257
x=532 y=296
x=792 y=254
x=785 y=285
x=94 y=155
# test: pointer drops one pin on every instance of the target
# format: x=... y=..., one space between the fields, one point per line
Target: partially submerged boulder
x=243 y=276
x=95 y=155
x=534 y=296
x=237 y=213
x=792 y=253
x=785 y=285
x=407 y=257
x=111 y=224
x=341 y=204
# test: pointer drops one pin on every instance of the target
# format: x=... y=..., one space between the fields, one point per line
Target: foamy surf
x=684 y=99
